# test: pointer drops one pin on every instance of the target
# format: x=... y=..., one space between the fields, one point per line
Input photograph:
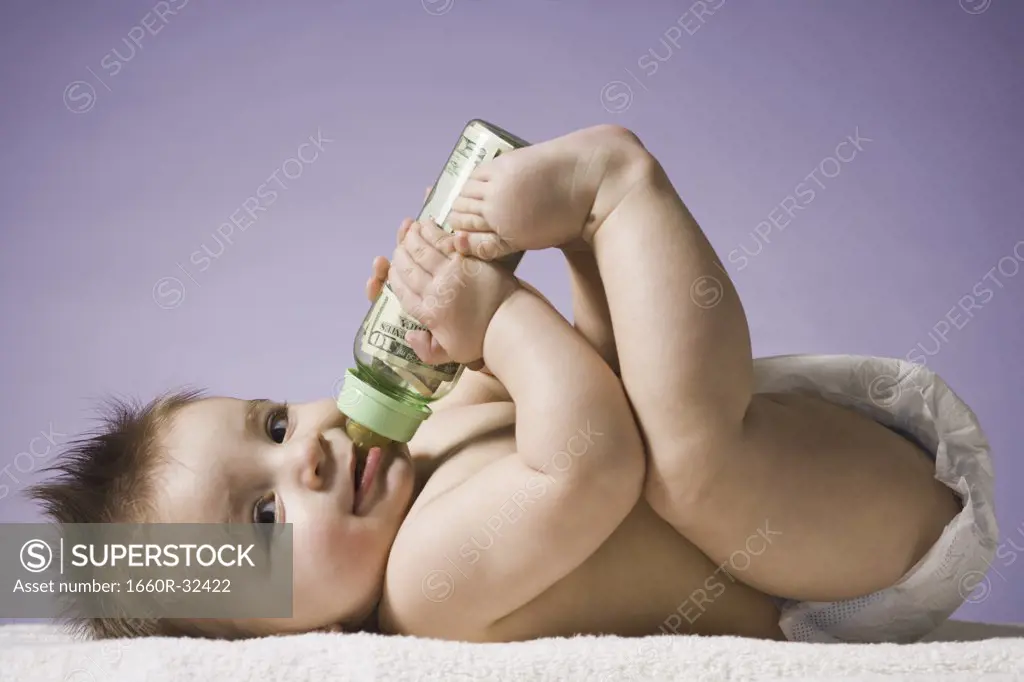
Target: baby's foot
x=533 y=198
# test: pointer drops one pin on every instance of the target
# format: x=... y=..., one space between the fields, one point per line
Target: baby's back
x=644 y=579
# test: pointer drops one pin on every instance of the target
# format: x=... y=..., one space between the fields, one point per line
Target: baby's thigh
x=708 y=600
x=818 y=501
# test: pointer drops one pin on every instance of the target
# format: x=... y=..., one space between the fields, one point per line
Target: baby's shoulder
x=455 y=445
x=460 y=443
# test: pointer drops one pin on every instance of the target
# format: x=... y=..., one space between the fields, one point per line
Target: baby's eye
x=277 y=424
x=265 y=509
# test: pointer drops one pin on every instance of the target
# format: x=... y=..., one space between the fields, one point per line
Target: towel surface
x=36 y=653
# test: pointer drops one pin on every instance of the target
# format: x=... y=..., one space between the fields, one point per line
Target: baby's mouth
x=357 y=475
x=367 y=466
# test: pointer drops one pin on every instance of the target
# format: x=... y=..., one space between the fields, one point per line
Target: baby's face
x=235 y=461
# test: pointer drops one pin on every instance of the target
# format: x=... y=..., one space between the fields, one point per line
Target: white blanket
x=36 y=653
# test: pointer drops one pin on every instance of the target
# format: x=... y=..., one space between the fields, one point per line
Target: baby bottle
x=386 y=396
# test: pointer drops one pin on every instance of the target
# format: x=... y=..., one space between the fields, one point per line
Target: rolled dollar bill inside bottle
x=385 y=326
x=387 y=395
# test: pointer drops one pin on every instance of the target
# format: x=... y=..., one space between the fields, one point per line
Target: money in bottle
x=387 y=395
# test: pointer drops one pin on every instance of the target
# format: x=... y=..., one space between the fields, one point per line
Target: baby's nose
x=312 y=459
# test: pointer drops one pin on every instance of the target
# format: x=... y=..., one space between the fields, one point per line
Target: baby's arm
x=577 y=473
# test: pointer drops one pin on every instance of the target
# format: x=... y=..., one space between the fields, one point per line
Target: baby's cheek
x=328 y=548
x=319 y=574
x=317 y=540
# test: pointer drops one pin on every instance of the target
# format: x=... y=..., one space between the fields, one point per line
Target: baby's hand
x=375 y=284
x=381 y=266
x=380 y=275
x=455 y=297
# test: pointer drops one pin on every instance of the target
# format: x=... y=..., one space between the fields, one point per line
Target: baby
x=620 y=474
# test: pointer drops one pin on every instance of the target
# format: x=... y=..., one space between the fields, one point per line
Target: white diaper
x=914 y=399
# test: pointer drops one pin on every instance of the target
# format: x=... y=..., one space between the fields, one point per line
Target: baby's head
x=184 y=458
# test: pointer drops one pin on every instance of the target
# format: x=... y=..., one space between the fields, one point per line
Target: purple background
x=104 y=194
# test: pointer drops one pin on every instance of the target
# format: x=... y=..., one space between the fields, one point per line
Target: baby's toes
x=474 y=189
x=467 y=222
x=482 y=245
x=470 y=205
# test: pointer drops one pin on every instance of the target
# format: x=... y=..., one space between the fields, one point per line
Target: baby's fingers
x=403 y=229
x=409 y=299
x=427 y=348
x=373 y=287
x=376 y=281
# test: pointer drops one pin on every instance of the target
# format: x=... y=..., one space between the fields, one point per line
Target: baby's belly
x=646 y=579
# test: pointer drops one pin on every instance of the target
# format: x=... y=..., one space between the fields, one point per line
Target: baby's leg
x=819 y=502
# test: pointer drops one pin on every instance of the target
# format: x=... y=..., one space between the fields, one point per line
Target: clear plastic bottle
x=387 y=395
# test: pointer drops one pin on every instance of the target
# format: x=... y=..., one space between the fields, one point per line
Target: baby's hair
x=108 y=476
